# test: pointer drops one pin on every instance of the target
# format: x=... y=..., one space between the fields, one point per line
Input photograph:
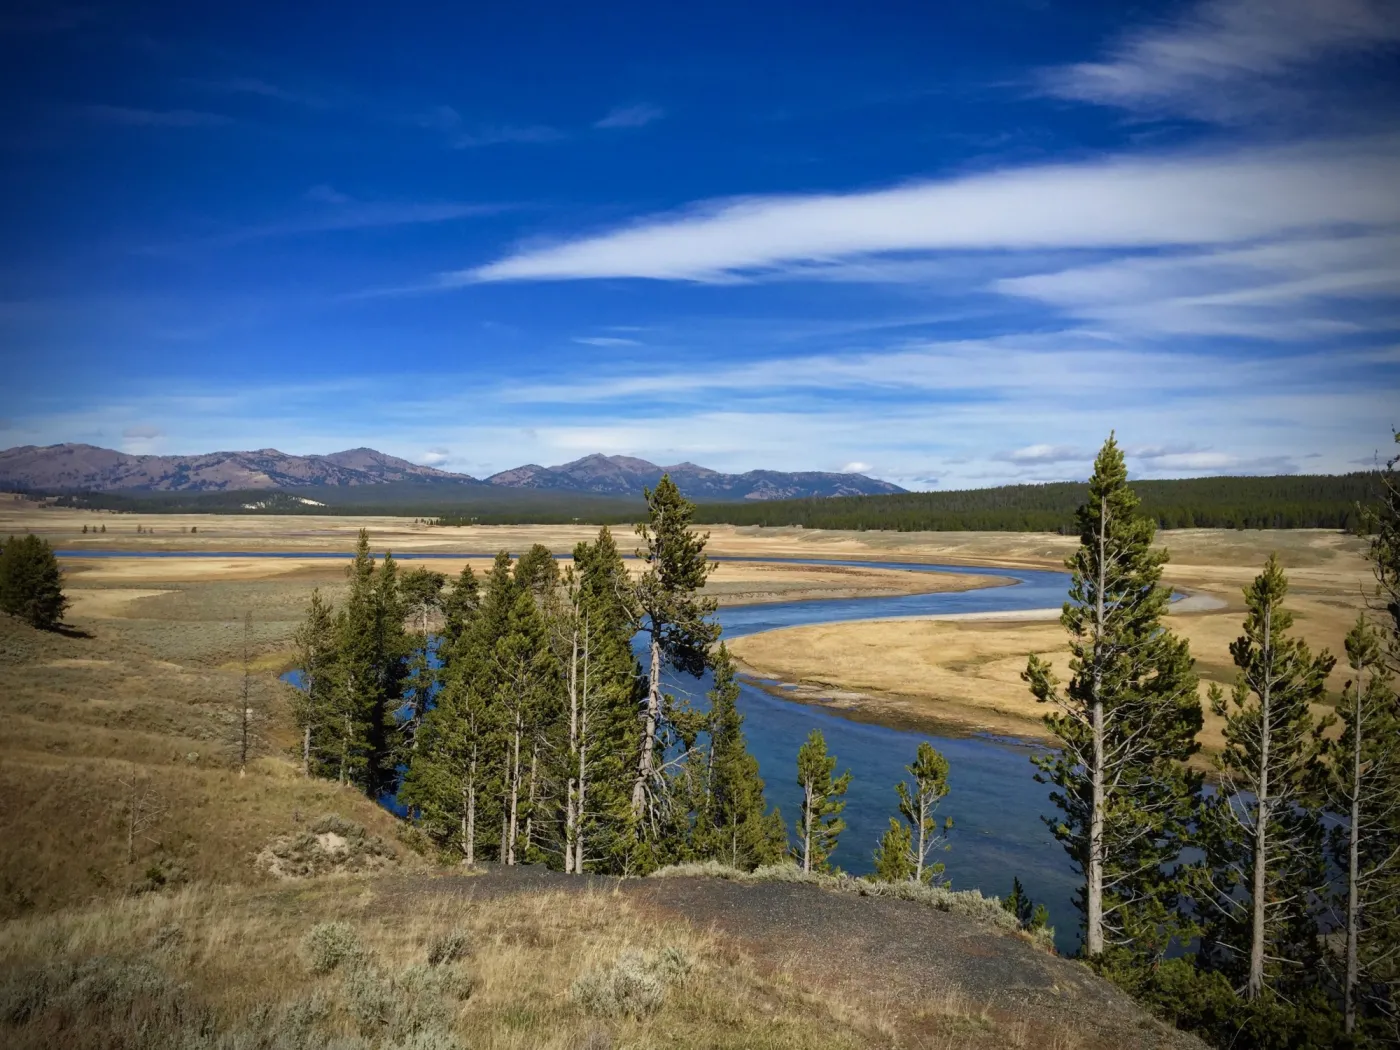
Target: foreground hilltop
x=88 y=468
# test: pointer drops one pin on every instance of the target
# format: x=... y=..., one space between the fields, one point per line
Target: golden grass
x=240 y=952
x=968 y=672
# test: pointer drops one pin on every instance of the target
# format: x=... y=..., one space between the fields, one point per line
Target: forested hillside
x=1320 y=501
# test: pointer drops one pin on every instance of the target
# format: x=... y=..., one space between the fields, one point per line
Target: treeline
x=512 y=720
x=1320 y=501
x=463 y=505
x=1285 y=932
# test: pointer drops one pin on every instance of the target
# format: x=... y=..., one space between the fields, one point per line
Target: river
x=994 y=800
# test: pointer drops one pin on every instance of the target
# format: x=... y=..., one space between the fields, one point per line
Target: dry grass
x=968 y=672
x=149 y=693
x=241 y=958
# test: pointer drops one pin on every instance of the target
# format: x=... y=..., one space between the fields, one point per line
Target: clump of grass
x=448 y=948
x=633 y=986
x=405 y=1005
x=332 y=844
x=328 y=944
x=971 y=903
x=113 y=996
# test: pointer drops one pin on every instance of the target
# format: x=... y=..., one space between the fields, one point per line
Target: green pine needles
x=819 y=825
x=31 y=582
x=1126 y=723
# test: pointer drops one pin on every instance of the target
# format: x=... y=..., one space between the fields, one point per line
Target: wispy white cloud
x=130 y=116
x=260 y=89
x=631 y=116
x=1043 y=453
x=1124 y=202
x=343 y=214
x=143 y=430
x=461 y=135
x=605 y=340
x=436 y=457
x=1228 y=60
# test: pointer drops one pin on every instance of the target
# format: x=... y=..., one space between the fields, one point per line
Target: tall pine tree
x=1364 y=787
x=904 y=852
x=1126 y=724
x=1264 y=830
x=823 y=798
x=732 y=822
x=675 y=620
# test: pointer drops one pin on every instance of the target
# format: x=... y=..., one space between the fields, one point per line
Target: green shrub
x=328 y=944
x=31 y=582
x=368 y=996
x=634 y=986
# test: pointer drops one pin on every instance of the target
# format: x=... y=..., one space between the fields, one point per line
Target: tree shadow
x=69 y=631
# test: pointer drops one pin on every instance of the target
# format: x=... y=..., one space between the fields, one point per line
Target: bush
x=634 y=986
x=328 y=944
x=332 y=844
x=448 y=948
x=109 y=995
x=368 y=997
x=31 y=583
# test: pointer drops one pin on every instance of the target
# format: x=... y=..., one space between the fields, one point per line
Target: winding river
x=994 y=800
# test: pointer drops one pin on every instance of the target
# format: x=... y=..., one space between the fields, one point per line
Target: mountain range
x=87 y=468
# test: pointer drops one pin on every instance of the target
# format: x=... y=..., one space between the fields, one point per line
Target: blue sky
x=949 y=245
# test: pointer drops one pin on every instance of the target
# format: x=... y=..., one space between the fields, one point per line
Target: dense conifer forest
x=1319 y=501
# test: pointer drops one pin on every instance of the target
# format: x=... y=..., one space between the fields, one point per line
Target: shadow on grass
x=69 y=631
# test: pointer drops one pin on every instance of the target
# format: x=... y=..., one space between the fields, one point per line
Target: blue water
x=994 y=800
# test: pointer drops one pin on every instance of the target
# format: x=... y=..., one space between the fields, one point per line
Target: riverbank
x=961 y=674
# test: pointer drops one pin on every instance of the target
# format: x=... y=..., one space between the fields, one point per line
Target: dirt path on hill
x=907 y=960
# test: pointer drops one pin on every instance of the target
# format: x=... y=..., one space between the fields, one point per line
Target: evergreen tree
x=1126 y=723
x=1265 y=835
x=820 y=821
x=31 y=582
x=452 y=784
x=894 y=859
x=1029 y=914
x=420 y=593
x=526 y=685
x=733 y=823
x=1364 y=787
x=314 y=703
x=920 y=834
x=611 y=693
x=459 y=606
x=675 y=620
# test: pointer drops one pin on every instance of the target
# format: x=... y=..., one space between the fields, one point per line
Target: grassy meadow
x=153 y=896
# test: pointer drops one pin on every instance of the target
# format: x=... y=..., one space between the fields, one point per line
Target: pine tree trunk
x=582 y=759
x=570 y=803
x=514 y=815
x=1261 y=824
x=807 y=827
x=1093 y=889
x=923 y=840
x=1353 y=863
x=530 y=806
x=306 y=750
x=471 y=812
x=644 y=766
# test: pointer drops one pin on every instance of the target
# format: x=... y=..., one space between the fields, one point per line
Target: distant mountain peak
x=76 y=467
